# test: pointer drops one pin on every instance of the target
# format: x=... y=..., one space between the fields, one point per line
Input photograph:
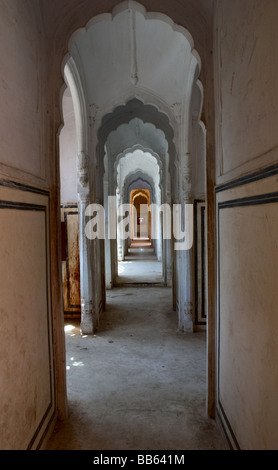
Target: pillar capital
x=186 y=178
x=83 y=197
x=82 y=172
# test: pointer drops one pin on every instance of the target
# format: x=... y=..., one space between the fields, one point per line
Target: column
x=186 y=256
x=120 y=235
x=108 y=267
x=86 y=274
x=169 y=242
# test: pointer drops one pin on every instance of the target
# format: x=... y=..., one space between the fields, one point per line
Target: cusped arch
x=137 y=161
x=131 y=151
x=142 y=103
x=149 y=99
x=139 y=183
x=136 y=132
x=74 y=83
x=123 y=114
x=141 y=193
x=135 y=176
x=132 y=5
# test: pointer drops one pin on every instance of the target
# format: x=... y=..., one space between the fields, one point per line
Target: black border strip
x=23 y=187
x=250 y=178
x=11 y=205
x=21 y=206
x=69 y=206
x=260 y=199
x=250 y=201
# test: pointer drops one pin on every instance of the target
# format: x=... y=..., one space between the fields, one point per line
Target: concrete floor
x=138 y=384
x=140 y=266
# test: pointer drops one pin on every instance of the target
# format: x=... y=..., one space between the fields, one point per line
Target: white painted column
x=120 y=243
x=186 y=317
x=168 y=243
x=158 y=216
x=86 y=273
x=185 y=257
x=168 y=263
x=108 y=267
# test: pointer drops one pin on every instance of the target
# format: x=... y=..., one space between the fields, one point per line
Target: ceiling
x=132 y=53
x=137 y=71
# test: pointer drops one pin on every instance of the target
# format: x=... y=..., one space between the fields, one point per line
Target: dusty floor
x=138 y=384
x=140 y=266
x=143 y=271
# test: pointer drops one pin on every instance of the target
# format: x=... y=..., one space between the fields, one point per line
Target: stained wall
x=28 y=385
x=246 y=222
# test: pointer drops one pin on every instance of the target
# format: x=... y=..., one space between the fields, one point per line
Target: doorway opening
x=153 y=132
x=146 y=148
x=140 y=265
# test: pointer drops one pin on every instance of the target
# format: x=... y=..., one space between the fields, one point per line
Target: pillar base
x=185 y=319
x=87 y=319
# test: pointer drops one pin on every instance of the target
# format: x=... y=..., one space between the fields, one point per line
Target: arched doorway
x=171 y=115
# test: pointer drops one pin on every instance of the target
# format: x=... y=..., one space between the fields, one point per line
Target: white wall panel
x=247 y=322
x=26 y=359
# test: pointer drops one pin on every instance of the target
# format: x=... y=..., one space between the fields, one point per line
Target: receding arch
x=173 y=111
x=73 y=81
x=132 y=151
x=141 y=181
x=123 y=114
x=138 y=101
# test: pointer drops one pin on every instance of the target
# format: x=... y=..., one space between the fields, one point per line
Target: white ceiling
x=129 y=52
x=145 y=64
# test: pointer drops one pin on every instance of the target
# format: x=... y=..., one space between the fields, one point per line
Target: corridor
x=137 y=383
x=140 y=266
x=107 y=106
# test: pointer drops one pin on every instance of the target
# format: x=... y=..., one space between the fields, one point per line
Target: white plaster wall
x=27 y=384
x=21 y=91
x=247 y=256
x=247 y=314
x=26 y=364
x=248 y=325
x=247 y=85
x=68 y=153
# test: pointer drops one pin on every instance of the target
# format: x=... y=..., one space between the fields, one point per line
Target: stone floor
x=140 y=266
x=138 y=384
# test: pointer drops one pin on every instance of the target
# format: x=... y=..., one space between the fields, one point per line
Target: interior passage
x=140 y=265
x=137 y=383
